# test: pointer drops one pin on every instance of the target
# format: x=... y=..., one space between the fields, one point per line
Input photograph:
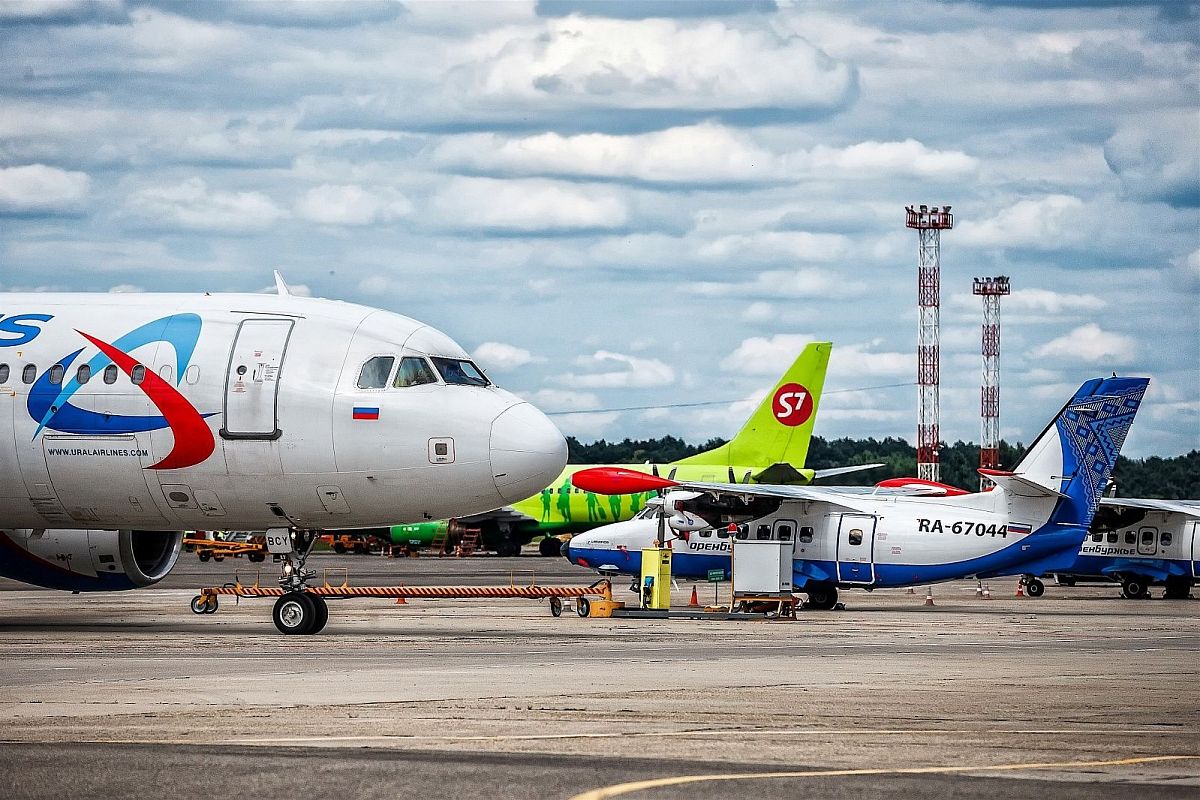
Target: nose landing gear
x=299 y=610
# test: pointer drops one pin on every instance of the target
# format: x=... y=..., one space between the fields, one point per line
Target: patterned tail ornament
x=1092 y=429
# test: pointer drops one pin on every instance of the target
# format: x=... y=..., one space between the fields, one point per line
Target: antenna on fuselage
x=280 y=286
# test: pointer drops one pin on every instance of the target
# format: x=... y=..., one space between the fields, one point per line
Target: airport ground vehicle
x=1033 y=522
x=220 y=545
x=128 y=419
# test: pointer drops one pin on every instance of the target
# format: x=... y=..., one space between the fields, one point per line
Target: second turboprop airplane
x=770 y=448
x=1032 y=522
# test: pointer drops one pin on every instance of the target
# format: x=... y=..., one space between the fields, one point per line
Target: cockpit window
x=413 y=372
x=374 y=373
x=459 y=372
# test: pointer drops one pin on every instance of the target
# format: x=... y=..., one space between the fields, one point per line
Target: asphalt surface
x=1075 y=694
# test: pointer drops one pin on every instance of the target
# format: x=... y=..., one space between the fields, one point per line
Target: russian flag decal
x=1014 y=527
x=365 y=412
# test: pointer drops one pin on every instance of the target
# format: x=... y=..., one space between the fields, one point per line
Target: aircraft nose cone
x=528 y=452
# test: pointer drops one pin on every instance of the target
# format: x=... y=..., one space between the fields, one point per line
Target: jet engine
x=88 y=560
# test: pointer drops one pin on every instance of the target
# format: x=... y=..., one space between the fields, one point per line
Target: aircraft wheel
x=294 y=613
x=199 y=603
x=556 y=606
x=1133 y=589
x=339 y=548
x=583 y=606
x=1177 y=588
x=204 y=555
x=821 y=596
x=218 y=558
x=257 y=557
x=1034 y=587
x=549 y=546
x=322 y=612
x=508 y=549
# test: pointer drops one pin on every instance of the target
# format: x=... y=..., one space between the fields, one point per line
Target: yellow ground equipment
x=254 y=548
x=656 y=578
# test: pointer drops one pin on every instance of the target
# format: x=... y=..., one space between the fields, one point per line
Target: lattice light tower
x=991 y=290
x=929 y=222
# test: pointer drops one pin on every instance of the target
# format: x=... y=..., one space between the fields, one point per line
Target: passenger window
x=110 y=374
x=138 y=375
x=743 y=532
x=1129 y=537
x=1112 y=537
x=192 y=374
x=1148 y=535
x=83 y=374
x=722 y=533
x=854 y=537
x=459 y=372
x=57 y=373
x=3 y=373
x=166 y=373
x=806 y=534
x=413 y=372
x=705 y=534
x=1165 y=539
x=1097 y=537
x=28 y=374
x=374 y=374
x=785 y=533
x=763 y=532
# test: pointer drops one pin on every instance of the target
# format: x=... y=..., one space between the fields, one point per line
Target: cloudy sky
x=628 y=204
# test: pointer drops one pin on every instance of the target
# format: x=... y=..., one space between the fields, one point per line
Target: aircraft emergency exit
x=126 y=419
x=1034 y=521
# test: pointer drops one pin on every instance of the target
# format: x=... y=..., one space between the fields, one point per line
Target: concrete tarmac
x=1075 y=694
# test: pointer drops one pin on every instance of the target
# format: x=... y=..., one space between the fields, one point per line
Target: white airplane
x=126 y=419
x=1033 y=522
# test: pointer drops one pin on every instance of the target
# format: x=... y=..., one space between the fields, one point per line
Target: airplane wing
x=1189 y=508
x=832 y=471
x=616 y=480
x=784 y=472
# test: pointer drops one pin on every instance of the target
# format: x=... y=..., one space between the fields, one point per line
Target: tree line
x=1176 y=478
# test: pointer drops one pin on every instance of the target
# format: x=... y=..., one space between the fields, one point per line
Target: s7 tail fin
x=780 y=428
x=1074 y=456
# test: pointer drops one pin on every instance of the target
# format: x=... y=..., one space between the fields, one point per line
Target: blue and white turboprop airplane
x=1033 y=522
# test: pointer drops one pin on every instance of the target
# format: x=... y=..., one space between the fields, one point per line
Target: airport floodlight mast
x=929 y=222
x=991 y=290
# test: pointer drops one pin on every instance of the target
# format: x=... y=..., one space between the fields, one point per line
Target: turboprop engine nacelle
x=88 y=560
x=694 y=511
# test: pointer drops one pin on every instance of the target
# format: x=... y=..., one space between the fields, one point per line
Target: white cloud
x=635 y=372
x=759 y=311
x=37 y=187
x=777 y=246
x=1156 y=157
x=498 y=355
x=655 y=63
x=704 y=153
x=192 y=205
x=529 y=205
x=1051 y=302
x=801 y=283
x=351 y=205
x=1091 y=344
x=856 y=361
x=125 y=288
x=558 y=400
x=1047 y=222
x=760 y=355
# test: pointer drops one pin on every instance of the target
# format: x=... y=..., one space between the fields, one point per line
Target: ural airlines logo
x=15 y=329
x=792 y=404
x=50 y=403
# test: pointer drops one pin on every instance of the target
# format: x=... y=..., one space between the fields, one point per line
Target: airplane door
x=856 y=548
x=1147 y=541
x=1196 y=549
x=252 y=379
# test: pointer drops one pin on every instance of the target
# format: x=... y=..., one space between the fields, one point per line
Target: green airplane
x=770 y=448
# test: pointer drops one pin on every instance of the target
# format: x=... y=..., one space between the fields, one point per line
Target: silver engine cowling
x=88 y=560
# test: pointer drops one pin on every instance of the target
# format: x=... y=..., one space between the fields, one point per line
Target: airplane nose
x=528 y=452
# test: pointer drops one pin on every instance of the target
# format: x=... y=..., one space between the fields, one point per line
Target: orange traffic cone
x=979 y=589
x=911 y=590
x=695 y=601
x=400 y=601
x=929 y=596
x=1020 y=589
x=987 y=593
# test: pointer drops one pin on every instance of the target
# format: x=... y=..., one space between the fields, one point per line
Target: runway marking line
x=657 y=783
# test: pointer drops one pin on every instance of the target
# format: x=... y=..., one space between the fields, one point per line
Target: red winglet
x=618 y=480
